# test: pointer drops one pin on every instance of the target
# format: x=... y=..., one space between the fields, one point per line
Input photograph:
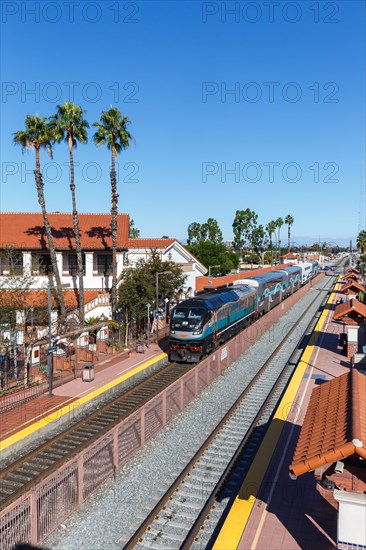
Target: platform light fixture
x=166 y=300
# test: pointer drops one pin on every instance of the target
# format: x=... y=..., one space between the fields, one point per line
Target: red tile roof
x=290 y=255
x=334 y=425
x=350 y=306
x=353 y=285
x=350 y=277
x=25 y=231
x=38 y=298
x=150 y=243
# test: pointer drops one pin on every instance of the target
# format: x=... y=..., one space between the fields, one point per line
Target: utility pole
x=350 y=253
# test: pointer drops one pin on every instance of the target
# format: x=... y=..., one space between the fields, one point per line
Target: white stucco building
x=24 y=255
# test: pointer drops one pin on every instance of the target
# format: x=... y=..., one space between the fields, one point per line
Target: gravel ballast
x=109 y=517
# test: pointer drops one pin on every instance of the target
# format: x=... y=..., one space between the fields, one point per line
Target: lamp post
x=209 y=272
x=148 y=324
x=50 y=350
x=166 y=300
x=157 y=299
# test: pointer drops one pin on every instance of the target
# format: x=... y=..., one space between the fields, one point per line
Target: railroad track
x=22 y=475
x=29 y=470
x=220 y=464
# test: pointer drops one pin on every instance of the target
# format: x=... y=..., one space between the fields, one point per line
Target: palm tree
x=279 y=224
x=68 y=124
x=289 y=220
x=112 y=132
x=37 y=135
x=271 y=228
x=361 y=241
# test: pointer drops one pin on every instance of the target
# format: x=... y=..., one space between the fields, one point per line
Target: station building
x=25 y=258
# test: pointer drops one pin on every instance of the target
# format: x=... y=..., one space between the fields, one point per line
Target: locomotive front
x=188 y=331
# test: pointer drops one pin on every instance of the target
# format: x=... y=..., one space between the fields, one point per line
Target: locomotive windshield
x=187 y=318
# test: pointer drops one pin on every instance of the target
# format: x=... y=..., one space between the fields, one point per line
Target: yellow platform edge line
x=76 y=404
x=237 y=519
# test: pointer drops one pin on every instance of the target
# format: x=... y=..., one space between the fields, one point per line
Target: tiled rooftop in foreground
x=335 y=423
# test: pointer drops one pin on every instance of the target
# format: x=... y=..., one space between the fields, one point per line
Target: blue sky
x=233 y=105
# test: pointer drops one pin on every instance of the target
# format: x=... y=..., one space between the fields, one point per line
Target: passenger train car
x=200 y=324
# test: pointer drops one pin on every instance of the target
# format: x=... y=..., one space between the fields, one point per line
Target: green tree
x=271 y=230
x=210 y=253
x=259 y=239
x=289 y=220
x=112 y=132
x=37 y=135
x=134 y=232
x=243 y=225
x=279 y=223
x=361 y=241
x=19 y=312
x=194 y=232
x=139 y=286
x=69 y=125
x=209 y=231
x=214 y=233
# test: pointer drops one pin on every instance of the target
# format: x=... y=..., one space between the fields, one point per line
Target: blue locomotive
x=200 y=324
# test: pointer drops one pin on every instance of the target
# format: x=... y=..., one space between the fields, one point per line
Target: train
x=200 y=324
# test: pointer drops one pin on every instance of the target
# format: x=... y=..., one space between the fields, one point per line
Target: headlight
x=196 y=332
x=172 y=331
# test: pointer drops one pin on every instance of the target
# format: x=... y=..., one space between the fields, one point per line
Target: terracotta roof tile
x=349 y=278
x=354 y=285
x=24 y=230
x=38 y=298
x=150 y=243
x=335 y=423
x=350 y=306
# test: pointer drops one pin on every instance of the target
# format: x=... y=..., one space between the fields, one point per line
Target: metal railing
x=38 y=512
x=100 y=300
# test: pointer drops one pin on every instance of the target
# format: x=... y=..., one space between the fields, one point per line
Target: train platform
x=29 y=420
x=273 y=512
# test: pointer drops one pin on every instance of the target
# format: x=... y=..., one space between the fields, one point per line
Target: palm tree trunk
x=271 y=247
x=276 y=243
x=114 y=229
x=51 y=245
x=289 y=237
x=75 y=219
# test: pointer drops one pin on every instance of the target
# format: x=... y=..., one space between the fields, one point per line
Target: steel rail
x=22 y=475
x=81 y=434
x=191 y=536
x=137 y=537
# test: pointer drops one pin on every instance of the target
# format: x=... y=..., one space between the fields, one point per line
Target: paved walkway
x=292 y=514
x=106 y=371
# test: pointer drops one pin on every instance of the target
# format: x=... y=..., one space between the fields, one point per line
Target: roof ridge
x=68 y=213
x=355 y=410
